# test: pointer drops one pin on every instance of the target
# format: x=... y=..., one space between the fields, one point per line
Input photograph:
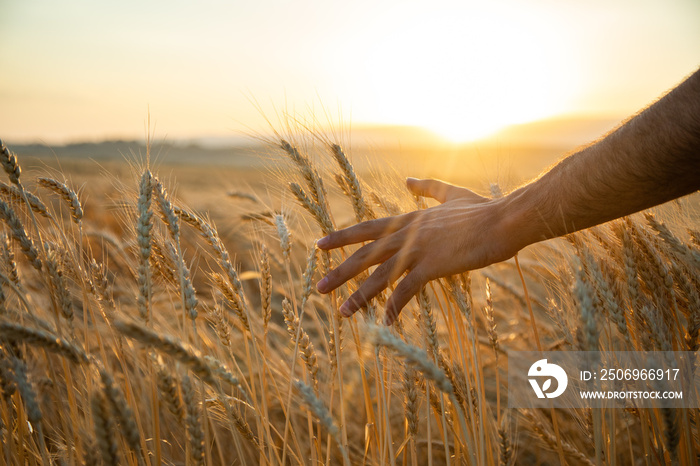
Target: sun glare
x=462 y=77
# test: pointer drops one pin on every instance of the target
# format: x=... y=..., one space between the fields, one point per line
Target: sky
x=87 y=70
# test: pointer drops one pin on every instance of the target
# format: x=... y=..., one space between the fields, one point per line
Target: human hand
x=465 y=232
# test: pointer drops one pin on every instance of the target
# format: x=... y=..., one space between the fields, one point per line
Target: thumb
x=438 y=190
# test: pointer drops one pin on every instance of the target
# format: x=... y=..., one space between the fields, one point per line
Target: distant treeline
x=130 y=150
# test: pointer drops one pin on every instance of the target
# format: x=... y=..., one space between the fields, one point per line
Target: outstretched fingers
x=368 y=255
x=386 y=274
x=365 y=231
x=405 y=290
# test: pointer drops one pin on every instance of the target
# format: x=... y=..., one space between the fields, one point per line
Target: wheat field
x=136 y=329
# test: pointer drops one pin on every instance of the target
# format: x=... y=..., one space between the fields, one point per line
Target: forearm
x=651 y=159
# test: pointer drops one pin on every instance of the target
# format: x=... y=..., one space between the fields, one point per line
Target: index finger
x=365 y=231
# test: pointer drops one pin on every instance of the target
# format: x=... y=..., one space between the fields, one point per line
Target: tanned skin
x=652 y=158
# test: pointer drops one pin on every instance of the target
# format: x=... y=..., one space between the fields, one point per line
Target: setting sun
x=462 y=76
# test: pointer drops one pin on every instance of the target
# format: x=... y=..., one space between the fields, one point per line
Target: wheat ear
x=19 y=333
x=8 y=256
x=321 y=412
x=410 y=380
x=9 y=163
x=313 y=207
x=195 y=433
x=121 y=409
x=67 y=194
x=208 y=369
x=265 y=286
x=20 y=234
x=683 y=250
x=143 y=237
x=28 y=394
x=313 y=179
x=307 y=353
x=55 y=271
x=233 y=298
x=16 y=196
x=168 y=389
x=284 y=236
x=104 y=429
x=418 y=358
x=363 y=211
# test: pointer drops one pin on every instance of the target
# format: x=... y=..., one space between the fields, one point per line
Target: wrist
x=521 y=218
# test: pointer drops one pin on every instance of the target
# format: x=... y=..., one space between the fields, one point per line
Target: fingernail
x=322 y=242
x=345 y=309
x=322 y=284
x=411 y=180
